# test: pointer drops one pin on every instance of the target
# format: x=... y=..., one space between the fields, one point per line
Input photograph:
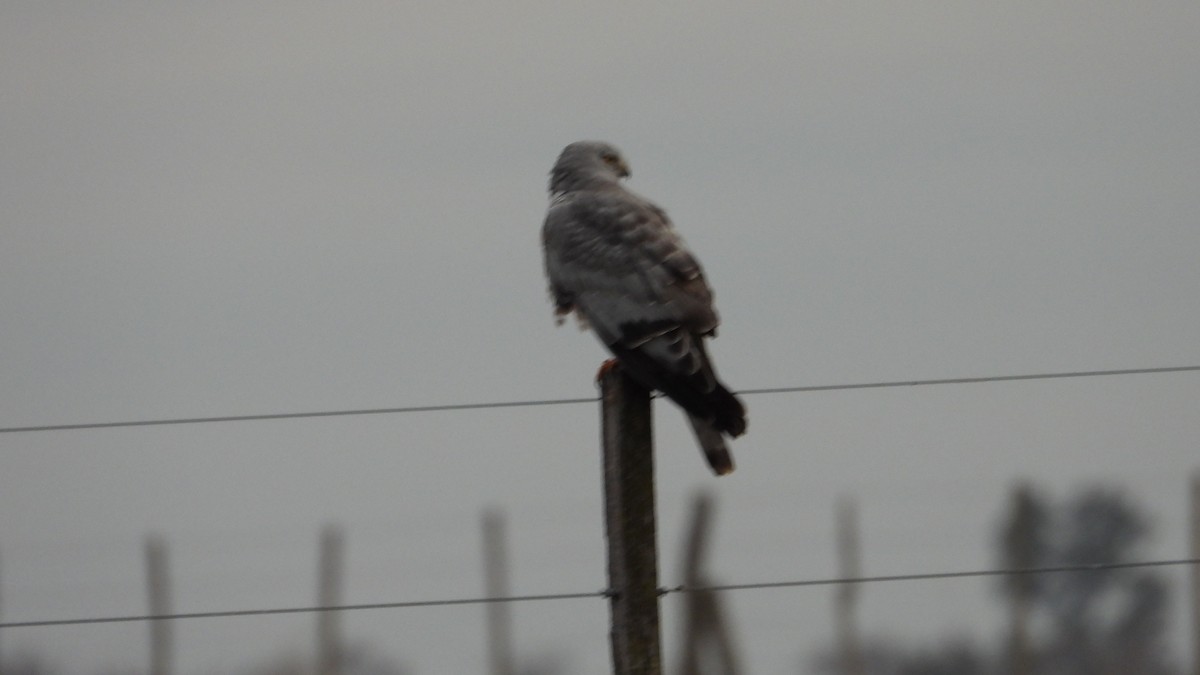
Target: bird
x=614 y=260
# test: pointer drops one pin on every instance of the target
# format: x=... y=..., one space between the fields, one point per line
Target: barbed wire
x=835 y=581
x=593 y=399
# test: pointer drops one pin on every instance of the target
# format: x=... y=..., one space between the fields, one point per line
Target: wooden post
x=158 y=589
x=707 y=645
x=849 y=567
x=1196 y=574
x=698 y=615
x=499 y=614
x=626 y=434
x=1021 y=544
x=329 y=594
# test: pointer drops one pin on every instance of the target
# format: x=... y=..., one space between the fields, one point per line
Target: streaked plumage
x=614 y=259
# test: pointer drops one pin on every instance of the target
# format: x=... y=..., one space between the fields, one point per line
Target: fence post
x=158 y=590
x=329 y=594
x=849 y=567
x=499 y=614
x=707 y=644
x=626 y=437
x=1020 y=543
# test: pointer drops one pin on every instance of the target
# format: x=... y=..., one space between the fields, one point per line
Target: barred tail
x=713 y=444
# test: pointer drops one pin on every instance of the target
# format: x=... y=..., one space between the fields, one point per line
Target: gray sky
x=239 y=208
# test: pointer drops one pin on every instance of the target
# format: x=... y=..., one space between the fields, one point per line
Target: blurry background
x=212 y=209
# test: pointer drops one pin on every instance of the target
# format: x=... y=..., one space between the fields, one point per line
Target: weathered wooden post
x=849 y=567
x=329 y=594
x=158 y=590
x=1020 y=552
x=626 y=435
x=499 y=614
x=707 y=645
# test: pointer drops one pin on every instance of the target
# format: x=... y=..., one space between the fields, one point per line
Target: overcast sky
x=214 y=209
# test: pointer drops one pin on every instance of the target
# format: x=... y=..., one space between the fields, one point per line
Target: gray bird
x=614 y=259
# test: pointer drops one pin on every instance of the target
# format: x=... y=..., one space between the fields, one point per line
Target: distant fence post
x=1020 y=542
x=329 y=594
x=499 y=614
x=158 y=589
x=707 y=645
x=849 y=567
x=626 y=435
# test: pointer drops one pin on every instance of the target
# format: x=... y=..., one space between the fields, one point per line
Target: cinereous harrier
x=614 y=259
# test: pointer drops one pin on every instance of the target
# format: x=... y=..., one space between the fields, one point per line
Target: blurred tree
x=1096 y=622
x=1099 y=621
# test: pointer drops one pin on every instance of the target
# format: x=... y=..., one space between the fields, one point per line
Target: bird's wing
x=616 y=259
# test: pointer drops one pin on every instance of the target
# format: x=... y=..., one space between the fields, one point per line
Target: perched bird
x=614 y=259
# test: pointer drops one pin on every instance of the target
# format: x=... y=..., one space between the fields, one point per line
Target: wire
x=301 y=610
x=572 y=401
x=973 y=380
x=1093 y=567
x=285 y=416
x=602 y=594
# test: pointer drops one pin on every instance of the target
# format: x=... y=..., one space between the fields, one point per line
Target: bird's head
x=586 y=162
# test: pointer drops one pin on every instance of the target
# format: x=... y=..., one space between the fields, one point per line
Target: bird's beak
x=623 y=169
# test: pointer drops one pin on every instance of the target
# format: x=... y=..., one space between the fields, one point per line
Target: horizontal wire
x=572 y=401
x=972 y=380
x=285 y=416
x=301 y=610
x=1093 y=567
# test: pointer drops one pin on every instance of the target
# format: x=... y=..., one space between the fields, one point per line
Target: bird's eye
x=609 y=158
